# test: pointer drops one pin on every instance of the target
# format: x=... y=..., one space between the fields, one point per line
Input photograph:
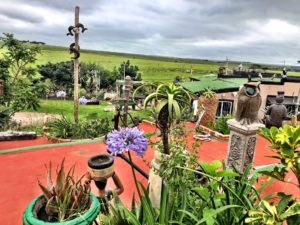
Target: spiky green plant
x=172 y=101
x=68 y=197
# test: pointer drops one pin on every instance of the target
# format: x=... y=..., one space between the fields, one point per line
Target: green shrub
x=65 y=128
x=221 y=125
x=82 y=92
x=5 y=115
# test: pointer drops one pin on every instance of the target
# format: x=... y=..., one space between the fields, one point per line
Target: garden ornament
x=248 y=104
x=277 y=112
x=101 y=168
x=74 y=50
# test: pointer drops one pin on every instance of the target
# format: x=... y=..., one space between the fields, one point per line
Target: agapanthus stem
x=134 y=176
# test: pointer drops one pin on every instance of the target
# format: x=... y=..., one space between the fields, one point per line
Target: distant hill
x=153 y=68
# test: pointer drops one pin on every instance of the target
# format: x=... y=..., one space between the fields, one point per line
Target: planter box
x=223 y=137
x=85 y=219
x=54 y=139
x=15 y=135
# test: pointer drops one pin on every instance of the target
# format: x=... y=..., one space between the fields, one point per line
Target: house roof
x=214 y=83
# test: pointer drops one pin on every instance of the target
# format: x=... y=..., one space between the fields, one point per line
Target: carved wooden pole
x=75 y=49
x=76 y=64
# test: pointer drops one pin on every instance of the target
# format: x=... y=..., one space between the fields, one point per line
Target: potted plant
x=101 y=166
x=68 y=201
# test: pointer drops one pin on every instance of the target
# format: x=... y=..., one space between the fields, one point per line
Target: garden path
x=28 y=118
x=20 y=170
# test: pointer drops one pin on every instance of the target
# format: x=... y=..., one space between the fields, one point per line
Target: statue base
x=242 y=144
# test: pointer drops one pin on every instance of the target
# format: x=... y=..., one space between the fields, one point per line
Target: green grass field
x=153 y=68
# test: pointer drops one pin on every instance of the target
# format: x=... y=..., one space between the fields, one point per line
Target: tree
x=130 y=70
x=19 y=76
x=172 y=101
x=60 y=74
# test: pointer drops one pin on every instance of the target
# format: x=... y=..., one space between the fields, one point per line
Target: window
x=224 y=108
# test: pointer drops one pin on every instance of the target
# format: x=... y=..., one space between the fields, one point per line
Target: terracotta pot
x=101 y=166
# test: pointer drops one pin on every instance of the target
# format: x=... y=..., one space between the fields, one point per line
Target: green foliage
x=130 y=70
x=60 y=74
x=285 y=143
x=5 y=114
x=143 y=214
x=276 y=213
x=220 y=125
x=226 y=197
x=65 y=128
x=92 y=76
x=67 y=197
x=21 y=85
x=4 y=76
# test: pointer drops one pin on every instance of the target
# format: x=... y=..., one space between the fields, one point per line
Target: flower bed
x=223 y=137
x=54 y=139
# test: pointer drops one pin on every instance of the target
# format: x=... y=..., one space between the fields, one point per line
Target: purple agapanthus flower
x=82 y=100
x=127 y=139
x=61 y=94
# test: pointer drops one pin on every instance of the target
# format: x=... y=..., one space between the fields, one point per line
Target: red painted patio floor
x=20 y=171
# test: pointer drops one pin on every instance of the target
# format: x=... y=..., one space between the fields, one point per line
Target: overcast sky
x=242 y=30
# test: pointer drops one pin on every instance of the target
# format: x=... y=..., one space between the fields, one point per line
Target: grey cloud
x=169 y=27
x=19 y=14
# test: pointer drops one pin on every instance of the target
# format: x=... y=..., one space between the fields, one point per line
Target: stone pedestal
x=242 y=144
x=155 y=181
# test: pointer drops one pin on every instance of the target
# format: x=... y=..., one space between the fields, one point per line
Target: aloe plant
x=67 y=198
x=172 y=101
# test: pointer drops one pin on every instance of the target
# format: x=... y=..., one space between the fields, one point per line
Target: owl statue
x=248 y=104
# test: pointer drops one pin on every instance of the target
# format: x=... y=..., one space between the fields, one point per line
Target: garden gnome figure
x=276 y=112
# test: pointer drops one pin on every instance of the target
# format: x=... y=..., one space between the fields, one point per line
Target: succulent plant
x=68 y=197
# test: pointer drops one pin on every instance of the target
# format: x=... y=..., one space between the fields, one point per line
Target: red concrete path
x=19 y=171
x=23 y=143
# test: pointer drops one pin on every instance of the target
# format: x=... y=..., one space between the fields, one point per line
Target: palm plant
x=172 y=101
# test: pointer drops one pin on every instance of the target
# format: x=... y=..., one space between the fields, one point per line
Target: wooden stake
x=128 y=87
x=76 y=64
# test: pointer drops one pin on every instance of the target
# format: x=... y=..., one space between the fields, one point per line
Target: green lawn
x=65 y=107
